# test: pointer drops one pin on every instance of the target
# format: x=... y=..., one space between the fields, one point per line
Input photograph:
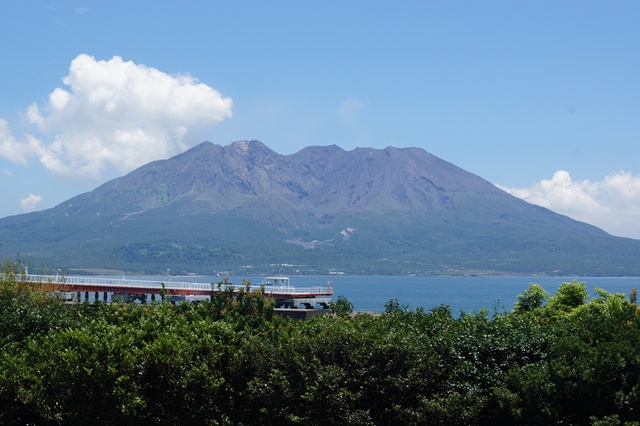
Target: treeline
x=564 y=359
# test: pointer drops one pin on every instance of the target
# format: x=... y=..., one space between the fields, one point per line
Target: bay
x=463 y=294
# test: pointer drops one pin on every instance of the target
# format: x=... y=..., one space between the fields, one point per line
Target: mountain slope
x=366 y=211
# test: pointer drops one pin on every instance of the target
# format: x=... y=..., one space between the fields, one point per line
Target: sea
x=462 y=294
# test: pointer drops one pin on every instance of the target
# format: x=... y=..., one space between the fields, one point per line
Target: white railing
x=173 y=285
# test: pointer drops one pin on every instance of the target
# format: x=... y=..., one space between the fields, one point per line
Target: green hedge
x=230 y=361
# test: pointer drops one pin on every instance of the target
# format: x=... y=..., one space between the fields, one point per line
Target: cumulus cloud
x=14 y=150
x=612 y=204
x=118 y=114
x=29 y=204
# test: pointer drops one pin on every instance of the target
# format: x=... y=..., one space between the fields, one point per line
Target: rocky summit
x=245 y=209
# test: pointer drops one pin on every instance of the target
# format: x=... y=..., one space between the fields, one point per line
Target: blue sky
x=539 y=97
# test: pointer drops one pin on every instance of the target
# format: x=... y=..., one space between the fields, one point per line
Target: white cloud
x=14 y=150
x=612 y=204
x=118 y=114
x=29 y=204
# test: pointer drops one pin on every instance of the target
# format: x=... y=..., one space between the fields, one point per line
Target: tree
x=568 y=297
x=163 y=292
x=342 y=307
x=394 y=307
x=531 y=299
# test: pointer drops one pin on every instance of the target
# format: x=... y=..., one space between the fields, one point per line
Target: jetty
x=105 y=289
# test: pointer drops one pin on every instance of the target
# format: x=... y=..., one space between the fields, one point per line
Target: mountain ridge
x=214 y=208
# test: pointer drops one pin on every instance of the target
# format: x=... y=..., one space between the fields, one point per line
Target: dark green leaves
x=229 y=360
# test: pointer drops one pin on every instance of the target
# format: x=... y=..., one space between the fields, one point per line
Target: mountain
x=243 y=208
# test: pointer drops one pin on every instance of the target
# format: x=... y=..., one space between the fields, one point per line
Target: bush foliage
x=566 y=359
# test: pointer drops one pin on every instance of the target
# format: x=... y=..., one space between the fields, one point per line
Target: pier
x=101 y=289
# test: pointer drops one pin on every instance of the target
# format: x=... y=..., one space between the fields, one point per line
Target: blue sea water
x=463 y=294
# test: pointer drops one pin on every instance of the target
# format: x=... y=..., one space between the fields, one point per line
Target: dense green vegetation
x=564 y=359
